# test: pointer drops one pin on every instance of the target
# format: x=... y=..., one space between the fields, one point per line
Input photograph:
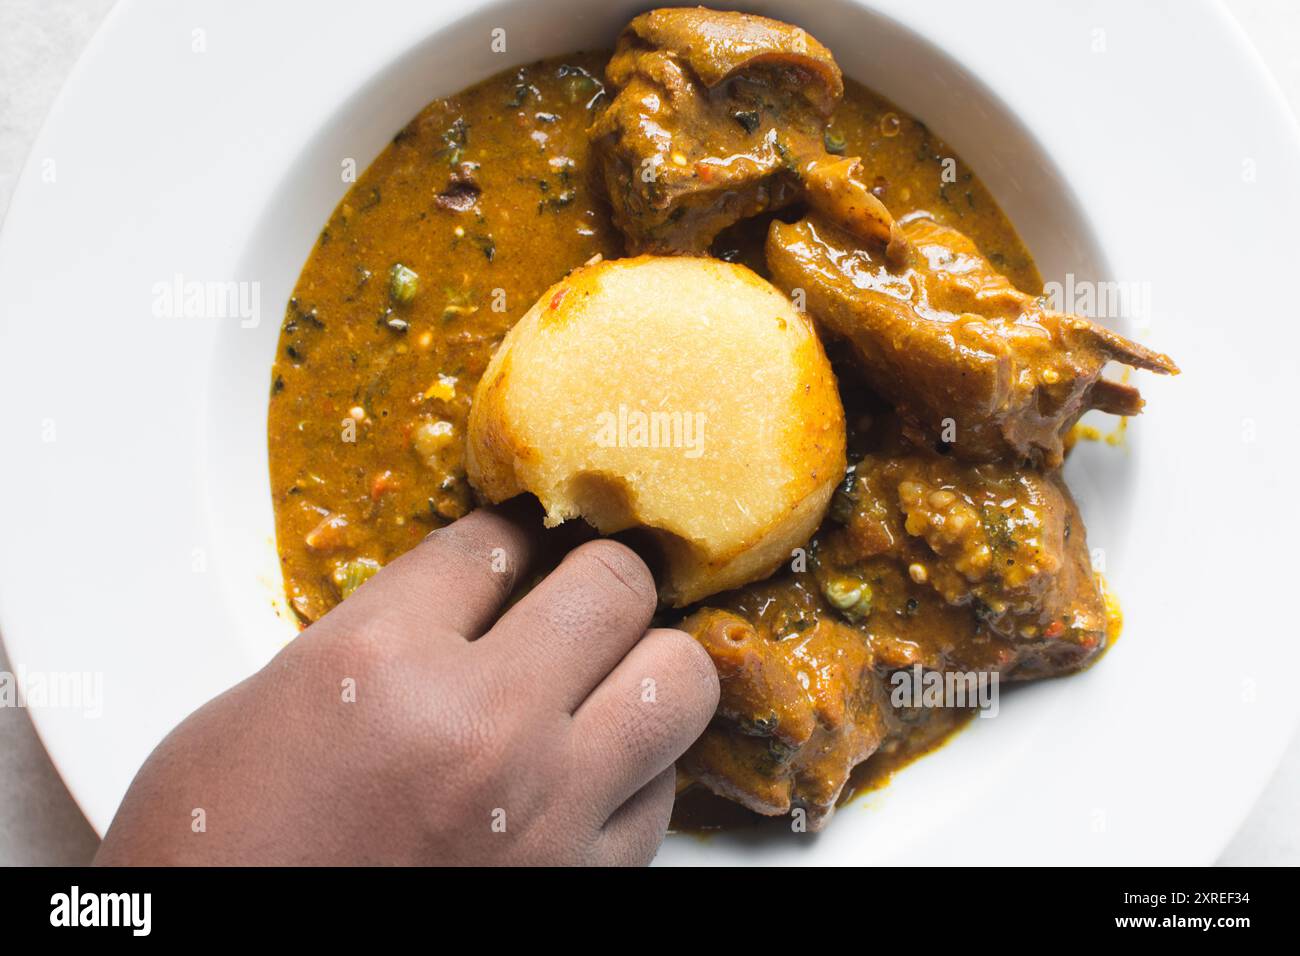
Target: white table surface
x=39 y=824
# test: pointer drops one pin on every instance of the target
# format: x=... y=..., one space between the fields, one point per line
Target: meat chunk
x=719 y=117
x=927 y=561
x=799 y=710
x=967 y=359
x=837 y=188
x=1005 y=546
x=712 y=114
x=718 y=45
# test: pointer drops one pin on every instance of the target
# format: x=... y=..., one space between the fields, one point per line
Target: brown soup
x=421 y=270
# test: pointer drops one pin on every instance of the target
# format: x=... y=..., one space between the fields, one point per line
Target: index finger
x=458 y=579
x=571 y=630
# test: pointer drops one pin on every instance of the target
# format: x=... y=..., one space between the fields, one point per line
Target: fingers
x=644 y=715
x=631 y=837
x=458 y=579
x=566 y=634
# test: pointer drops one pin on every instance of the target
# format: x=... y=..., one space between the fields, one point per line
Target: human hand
x=418 y=723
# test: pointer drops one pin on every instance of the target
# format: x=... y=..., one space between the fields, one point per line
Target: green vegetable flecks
x=403 y=284
x=997 y=529
x=580 y=86
x=454 y=140
x=844 y=502
x=350 y=575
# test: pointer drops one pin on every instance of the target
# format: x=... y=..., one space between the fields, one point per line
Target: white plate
x=1134 y=141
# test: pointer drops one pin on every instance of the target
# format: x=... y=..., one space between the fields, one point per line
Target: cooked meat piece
x=968 y=359
x=712 y=116
x=720 y=117
x=1007 y=545
x=798 y=712
x=927 y=560
x=462 y=192
x=718 y=45
x=837 y=188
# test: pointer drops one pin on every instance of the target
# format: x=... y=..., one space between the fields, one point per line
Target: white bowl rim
x=1268 y=119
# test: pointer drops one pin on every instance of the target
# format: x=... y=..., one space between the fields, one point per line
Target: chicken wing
x=969 y=360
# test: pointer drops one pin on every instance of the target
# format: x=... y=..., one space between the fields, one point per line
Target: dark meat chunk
x=718 y=45
x=1005 y=546
x=967 y=359
x=712 y=117
x=462 y=192
x=799 y=710
x=720 y=117
x=837 y=188
x=926 y=561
